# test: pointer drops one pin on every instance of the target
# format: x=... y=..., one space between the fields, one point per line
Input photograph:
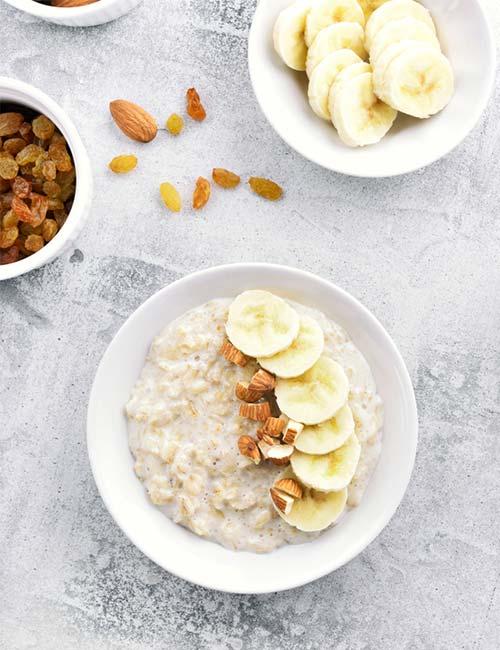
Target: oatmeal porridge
x=185 y=430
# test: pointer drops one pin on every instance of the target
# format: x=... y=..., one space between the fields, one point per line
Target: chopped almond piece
x=283 y=502
x=290 y=486
x=274 y=426
x=258 y=412
x=248 y=447
x=292 y=430
x=245 y=394
x=263 y=381
x=280 y=454
x=232 y=354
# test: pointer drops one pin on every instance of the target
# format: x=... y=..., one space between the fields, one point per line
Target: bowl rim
x=288 y=581
x=472 y=119
x=23 y=93
x=49 y=12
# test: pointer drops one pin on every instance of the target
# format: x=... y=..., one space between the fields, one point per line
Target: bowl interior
x=178 y=550
x=411 y=143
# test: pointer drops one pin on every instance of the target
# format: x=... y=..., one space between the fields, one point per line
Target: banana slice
x=301 y=355
x=315 y=511
x=288 y=34
x=369 y=6
x=327 y=12
x=400 y=30
x=323 y=76
x=330 y=472
x=346 y=74
x=387 y=57
x=336 y=37
x=359 y=115
x=394 y=10
x=316 y=395
x=328 y=436
x=418 y=82
x=261 y=324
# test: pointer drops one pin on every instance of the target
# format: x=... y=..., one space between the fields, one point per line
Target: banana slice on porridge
x=316 y=395
x=260 y=324
x=329 y=472
x=313 y=511
x=327 y=436
x=305 y=350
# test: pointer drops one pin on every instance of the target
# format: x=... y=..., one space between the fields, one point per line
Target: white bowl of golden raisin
x=76 y=13
x=45 y=179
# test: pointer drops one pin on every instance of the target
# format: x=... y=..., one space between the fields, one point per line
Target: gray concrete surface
x=421 y=251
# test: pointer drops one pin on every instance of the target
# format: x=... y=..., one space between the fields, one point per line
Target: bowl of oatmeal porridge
x=183 y=460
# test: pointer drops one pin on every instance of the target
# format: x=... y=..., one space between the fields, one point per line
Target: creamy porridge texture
x=184 y=428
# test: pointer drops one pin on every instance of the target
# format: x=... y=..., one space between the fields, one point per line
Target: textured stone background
x=421 y=251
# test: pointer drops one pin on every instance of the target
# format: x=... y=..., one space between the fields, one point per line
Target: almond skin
x=133 y=120
x=248 y=447
x=289 y=486
x=263 y=381
x=243 y=393
x=72 y=3
x=282 y=501
x=258 y=412
x=232 y=354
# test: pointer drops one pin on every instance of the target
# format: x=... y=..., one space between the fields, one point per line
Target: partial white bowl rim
x=407 y=167
x=22 y=93
x=48 y=12
x=287 y=581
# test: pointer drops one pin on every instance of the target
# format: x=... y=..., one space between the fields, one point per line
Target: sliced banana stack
x=410 y=73
x=315 y=433
x=329 y=40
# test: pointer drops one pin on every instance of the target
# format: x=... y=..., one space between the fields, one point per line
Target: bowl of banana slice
x=372 y=88
x=210 y=490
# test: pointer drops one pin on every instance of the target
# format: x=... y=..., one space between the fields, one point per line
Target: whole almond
x=133 y=120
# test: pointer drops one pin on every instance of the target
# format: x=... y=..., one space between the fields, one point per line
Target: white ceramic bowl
x=411 y=144
x=18 y=92
x=94 y=14
x=177 y=549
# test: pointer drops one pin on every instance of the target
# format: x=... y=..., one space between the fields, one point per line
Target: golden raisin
x=8 y=166
x=21 y=187
x=34 y=243
x=8 y=237
x=52 y=189
x=49 y=229
x=123 y=164
x=26 y=132
x=43 y=128
x=29 y=154
x=49 y=170
x=175 y=124
x=195 y=108
x=201 y=193
x=14 y=145
x=10 y=123
x=10 y=219
x=59 y=154
x=225 y=178
x=266 y=188
x=170 y=197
